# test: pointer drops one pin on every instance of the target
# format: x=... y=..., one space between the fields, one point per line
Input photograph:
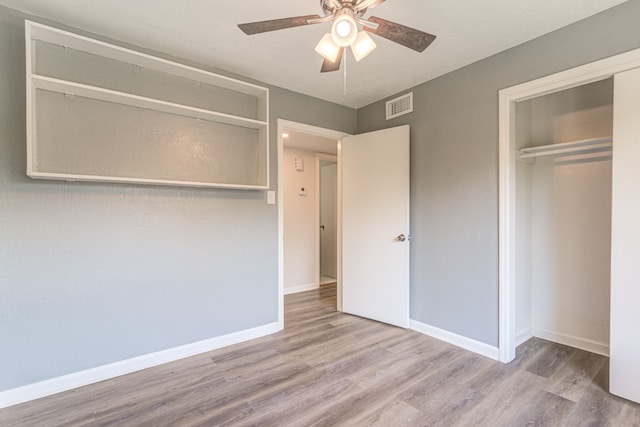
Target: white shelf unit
x=99 y=112
x=585 y=146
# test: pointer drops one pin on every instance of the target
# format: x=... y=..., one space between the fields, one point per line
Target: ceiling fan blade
x=401 y=34
x=276 y=24
x=328 y=66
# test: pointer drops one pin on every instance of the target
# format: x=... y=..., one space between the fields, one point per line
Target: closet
x=563 y=211
x=570 y=204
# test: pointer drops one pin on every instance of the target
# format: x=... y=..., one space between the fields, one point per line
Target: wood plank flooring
x=328 y=369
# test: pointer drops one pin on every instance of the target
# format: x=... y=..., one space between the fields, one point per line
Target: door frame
x=282 y=126
x=589 y=73
x=333 y=158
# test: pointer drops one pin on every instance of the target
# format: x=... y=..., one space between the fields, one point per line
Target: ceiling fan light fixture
x=344 y=30
x=363 y=46
x=347 y=20
x=327 y=48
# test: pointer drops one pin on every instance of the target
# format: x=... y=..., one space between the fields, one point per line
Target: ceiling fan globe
x=344 y=30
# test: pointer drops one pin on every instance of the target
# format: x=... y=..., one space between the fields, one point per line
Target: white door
x=328 y=218
x=625 y=238
x=375 y=225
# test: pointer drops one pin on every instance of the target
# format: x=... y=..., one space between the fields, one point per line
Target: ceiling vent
x=399 y=106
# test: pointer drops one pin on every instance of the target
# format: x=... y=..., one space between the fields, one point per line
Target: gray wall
x=96 y=273
x=454 y=177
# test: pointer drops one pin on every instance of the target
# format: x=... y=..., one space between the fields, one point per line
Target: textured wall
x=454 y=178
x=96 y=273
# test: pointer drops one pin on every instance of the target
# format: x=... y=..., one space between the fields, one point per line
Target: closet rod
x=575 y=147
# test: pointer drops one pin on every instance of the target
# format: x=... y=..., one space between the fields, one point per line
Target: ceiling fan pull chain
x=345 y=75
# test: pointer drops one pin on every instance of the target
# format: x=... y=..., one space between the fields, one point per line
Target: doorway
x=508 y=133
x=305 y=194
x=563 y=209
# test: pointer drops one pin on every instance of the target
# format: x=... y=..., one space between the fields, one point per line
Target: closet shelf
x=586 y=146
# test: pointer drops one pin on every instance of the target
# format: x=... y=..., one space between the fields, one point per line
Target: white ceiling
x=206 y=31
x=309 y=142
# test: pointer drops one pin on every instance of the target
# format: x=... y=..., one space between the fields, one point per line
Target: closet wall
x=564 y=220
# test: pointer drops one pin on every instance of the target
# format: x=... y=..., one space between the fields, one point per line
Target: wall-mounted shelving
x=586 y=146
x=99 y=112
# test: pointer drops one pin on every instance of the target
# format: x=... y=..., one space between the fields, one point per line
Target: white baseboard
x=105 y=372
x=524 y=336
x=458 y=340
x=301 y=288
x=573 y=341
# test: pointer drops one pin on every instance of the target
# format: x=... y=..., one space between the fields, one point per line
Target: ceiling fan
x=347 y=16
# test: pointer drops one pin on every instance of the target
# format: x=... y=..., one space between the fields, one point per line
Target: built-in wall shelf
x=585 y=146
x=100 y=112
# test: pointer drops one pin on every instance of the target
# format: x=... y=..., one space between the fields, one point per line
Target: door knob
x=401 y=238
x=322 y=227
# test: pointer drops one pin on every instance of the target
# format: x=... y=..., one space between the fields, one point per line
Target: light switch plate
x=271 y=197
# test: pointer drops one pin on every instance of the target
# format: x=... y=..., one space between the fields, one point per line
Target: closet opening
x=563 y=216
x=520 y=241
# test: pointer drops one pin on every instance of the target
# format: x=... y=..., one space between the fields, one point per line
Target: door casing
x=283 y=125
x=508 y=98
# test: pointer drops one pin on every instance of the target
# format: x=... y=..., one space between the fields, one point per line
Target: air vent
x=399 y=106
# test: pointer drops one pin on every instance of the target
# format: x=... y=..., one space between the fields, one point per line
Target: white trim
x=524 y=336
x=506 y=231
x=116 y=369
x=508 y=97
x=573 y=341
x=301 y=288
x=339 y=225
x=283 y=125
x=30 y=114
x=99 y=178
x=478 y=347
x=316 y=220
x=279 y=201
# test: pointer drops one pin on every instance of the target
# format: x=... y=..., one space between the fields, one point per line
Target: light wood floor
x=328 y=368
